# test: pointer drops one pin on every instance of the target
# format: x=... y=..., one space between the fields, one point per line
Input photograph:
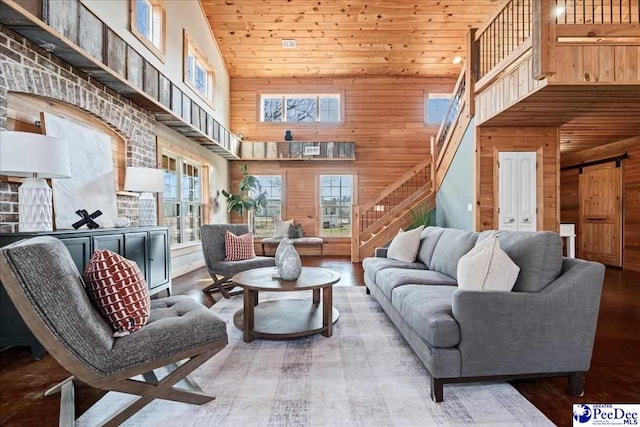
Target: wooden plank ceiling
x=344 y=38
x=588 y=117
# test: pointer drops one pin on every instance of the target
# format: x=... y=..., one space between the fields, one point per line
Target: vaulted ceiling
x=344 y=37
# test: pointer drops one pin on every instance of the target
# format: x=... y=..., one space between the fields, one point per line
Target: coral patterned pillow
x=119 y=290
x=238 y=248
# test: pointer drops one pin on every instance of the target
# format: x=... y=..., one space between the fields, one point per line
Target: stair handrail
x=454 y=109
x=396 y=184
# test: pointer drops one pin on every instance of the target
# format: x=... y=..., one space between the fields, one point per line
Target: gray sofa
x=544 y=327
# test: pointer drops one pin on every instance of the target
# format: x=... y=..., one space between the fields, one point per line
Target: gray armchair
x=214 y=254
x=47 y=289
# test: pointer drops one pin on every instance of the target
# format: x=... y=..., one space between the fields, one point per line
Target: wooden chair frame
x=148 y=390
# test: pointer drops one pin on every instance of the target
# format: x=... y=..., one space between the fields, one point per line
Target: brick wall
x=26 y=68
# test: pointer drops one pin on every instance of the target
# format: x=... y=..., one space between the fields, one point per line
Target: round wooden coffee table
x=286 y=318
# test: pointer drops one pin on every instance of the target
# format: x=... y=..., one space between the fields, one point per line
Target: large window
x=147 y=24
x=198 y=73
x=436 y=107
x=336 y=198
x=306 y=108
x=264 y=220
x=182 y=198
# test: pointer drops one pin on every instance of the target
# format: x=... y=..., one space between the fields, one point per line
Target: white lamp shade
x=33 y=155
x=144 y=179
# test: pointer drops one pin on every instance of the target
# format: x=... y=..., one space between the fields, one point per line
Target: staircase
x=379 y=220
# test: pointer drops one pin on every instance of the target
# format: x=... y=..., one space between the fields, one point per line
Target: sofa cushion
x=427 y=309
x=428 y=241
x=390 y=278
x=233 y=267
x=538 y=254
x=487 y=267
x=404 y=247
x=373 y=265
x=450 y=248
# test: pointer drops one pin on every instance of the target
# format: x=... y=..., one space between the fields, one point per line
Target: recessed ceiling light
x=559 y=10
x=457 y=59
x=289 y=43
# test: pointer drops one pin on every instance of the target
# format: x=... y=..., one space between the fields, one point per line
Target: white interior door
x=517 y=191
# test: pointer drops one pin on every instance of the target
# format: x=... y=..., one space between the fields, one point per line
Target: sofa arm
x=381 y=252
x=508 y=333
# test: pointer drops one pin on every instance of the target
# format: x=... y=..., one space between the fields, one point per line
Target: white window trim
x=181 y=160
x=316 y=95
x=320 y=206
x=282 y=194
x=189 y=46
x=426 y=106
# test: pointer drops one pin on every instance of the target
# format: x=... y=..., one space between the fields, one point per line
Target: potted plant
x=425 y=216
x=248 y=198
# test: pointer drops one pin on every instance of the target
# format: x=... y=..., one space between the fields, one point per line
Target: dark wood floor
x=614 y=375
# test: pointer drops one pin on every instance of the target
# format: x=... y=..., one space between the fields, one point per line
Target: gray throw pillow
x=404 y=247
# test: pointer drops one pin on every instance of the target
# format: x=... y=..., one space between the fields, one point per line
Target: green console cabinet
x=149 y=247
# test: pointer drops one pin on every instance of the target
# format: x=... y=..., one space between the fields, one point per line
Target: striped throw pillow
x=238 y=248
x=118 y=290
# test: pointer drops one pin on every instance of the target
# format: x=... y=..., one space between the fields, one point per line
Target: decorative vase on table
x=288 y=261
x=280 y=249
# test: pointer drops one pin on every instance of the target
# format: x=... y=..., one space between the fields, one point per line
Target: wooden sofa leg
x=437 y=390
x=576 y=384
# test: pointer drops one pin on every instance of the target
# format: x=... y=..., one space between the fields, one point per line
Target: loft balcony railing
x=73 y=33
x=540 y=26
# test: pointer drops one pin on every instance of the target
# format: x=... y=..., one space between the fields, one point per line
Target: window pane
x=436 y=109
x=301 y=109
x=171 y=219
x=190 y=65
x=200 y=81
x=143 y=17
x=156 y=26
x=170 y=191
x=272 y=109
x=192 y=222
x=329 y=109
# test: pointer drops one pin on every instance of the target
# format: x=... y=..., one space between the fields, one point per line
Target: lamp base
x=34 y=206
x=147 y=211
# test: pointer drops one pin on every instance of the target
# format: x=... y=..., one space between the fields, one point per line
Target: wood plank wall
x=596 y=64
x=631 y=193
x=384 y=116
x=490 y=141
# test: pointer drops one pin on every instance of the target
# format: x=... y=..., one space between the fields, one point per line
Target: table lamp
x=34 y=157
x=146 y=181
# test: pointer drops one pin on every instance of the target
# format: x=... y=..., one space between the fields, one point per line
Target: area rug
x=365 y=375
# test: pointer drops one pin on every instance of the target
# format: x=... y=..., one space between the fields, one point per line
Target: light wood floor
x=614 y=375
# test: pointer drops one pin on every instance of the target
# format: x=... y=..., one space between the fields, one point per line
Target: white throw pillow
x=487 y=267
x=404 y=247
x=282 y=228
